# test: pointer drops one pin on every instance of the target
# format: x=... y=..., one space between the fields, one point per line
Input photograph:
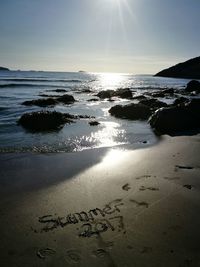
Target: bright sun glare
x=111 y=80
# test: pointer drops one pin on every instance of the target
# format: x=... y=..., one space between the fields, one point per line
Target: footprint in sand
x=143 y=188
x=188 y=186
x=109 y=244
x=143 y=203
x=126 y=187
x=100 y=253
x=73 y=256
x=146 y=250
x=142 y=177
x=45 y=252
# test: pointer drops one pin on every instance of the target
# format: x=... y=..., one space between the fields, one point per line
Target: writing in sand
x=94 y=221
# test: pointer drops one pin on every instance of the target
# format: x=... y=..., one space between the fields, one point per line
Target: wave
x=17 y=85
x=40 y=80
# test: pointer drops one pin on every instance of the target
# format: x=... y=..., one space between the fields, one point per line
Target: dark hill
x=2 y=68
x=189 y=69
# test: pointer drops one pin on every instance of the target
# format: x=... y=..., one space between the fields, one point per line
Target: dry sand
x=106 y=207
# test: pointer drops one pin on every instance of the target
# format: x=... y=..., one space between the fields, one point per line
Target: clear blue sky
x=135 y=36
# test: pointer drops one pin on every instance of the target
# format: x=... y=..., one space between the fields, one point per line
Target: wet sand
x=103 y=207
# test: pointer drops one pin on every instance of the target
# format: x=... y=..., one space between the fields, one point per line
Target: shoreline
x=144 y=205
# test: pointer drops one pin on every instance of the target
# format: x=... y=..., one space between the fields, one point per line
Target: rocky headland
x=4 y=69
x=189 y=69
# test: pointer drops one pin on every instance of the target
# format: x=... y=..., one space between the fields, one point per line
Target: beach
x=102 y=207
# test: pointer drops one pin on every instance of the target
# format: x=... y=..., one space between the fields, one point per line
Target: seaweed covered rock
x=174 y=120
x=131 y=111
x=42 y=121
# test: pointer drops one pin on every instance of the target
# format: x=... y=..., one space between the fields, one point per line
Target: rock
x=193 y=86
x=189 y=69
x=169 y=91
x=86 y=91
x=122 y=93
x=105 y=94
x=131 y=111
x=42 y=121
x=41 y=102
x=139 y=97
x=94 y=123
x=59 y=90
x=174 y=120
x=66 y=99
x=158 y=94
x=153 y=103
x=181 y=100
x=93 y=100
x=84 y=117
x=51 y=101
x=4 y=69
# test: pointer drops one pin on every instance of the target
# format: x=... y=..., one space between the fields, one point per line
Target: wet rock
x=169 y=91
x=93 y=100
x=66 y=99
x=46 y=95
x=180 y=101
x=158 y=94
x=153 y=103
x=51 y=101
x=94 y=123
x=86 y=91
x=193 y=86
x=59 y=90
x=139 y=97
x=84 y=117
x=105 y=94
x=175 y=120
x=41 y=102
x=131 y=111
x=44 y=121
x=122 y=93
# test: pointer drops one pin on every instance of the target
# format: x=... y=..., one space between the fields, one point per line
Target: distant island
x=189 y=69
x=2 y=68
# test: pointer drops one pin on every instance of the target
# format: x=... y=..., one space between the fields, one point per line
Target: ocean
x=19 y=86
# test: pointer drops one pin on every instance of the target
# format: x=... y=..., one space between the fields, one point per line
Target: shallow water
x=18 y=86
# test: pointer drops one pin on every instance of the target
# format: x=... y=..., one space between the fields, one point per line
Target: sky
x=126 y=36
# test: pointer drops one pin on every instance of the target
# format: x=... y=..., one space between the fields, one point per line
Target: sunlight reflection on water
x=109 y=135
x=111 y=80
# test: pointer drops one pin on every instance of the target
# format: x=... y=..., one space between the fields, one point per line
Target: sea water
x=19 y=86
